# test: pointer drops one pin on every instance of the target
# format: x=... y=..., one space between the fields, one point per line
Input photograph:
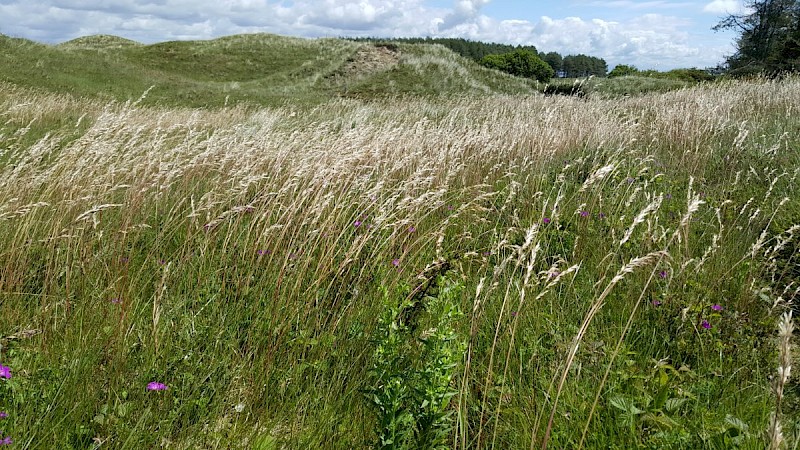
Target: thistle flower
x=6 y=441
x=5 y=372
x=396 y=262
x=584 y=213
x=546 y=220
x=357 y=223
x=412 y=229
x=705 y=324
x=3 y=414
x=663 y=274
x=156 y=386
x=656 y=303
x=717 y=307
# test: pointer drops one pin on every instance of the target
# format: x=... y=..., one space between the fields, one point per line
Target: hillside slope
x=255 y=68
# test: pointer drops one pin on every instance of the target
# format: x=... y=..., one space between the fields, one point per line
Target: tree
x=520 y=63
x=768 y=37
x=623 y=70
x=553 y=59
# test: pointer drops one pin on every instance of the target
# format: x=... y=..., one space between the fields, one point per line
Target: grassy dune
x=412 y=271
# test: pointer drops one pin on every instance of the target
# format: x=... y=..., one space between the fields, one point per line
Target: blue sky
x=656 y=34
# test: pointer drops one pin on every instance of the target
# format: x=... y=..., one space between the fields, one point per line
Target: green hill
x=254 y=68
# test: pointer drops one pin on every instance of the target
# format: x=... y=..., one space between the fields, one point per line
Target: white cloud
x=647 y=40
x=724 y=7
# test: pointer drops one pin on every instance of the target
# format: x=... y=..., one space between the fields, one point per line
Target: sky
x=649 y=34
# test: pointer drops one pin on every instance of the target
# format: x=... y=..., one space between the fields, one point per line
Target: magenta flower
x=411 y=229
x=663 y=274
x=705 y=324
x=3 y=414
x=357 y=223
x=396 y=262
x=717 y=307
x=584 y=213
x=5 y=372
x=156 y=386
x=6 y=441
x=546 y=220
x=656 y=303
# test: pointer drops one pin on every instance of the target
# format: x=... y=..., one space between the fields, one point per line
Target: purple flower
x=3 y=414
x=513 y=314
x=357 y=223
x=5 y=372
x=656 y=303
x=156 y=386
x=705 y=324
x=629 y=180
x=396 y=262
x=162 y=262
x=546 y=220
x=601 y=216
x=262 y=252
x=123 y=260
x=554 y=274
x=449 y=207
x=663 y=274
x=717 y=307
x=6 y=441
x=584 y=213
x=411 y=229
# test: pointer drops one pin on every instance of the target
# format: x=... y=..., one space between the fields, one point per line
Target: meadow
x=491 y=268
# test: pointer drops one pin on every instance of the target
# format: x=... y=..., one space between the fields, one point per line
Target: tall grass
x=619 y=264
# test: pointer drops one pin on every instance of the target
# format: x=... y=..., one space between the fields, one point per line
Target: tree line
x=570 y=66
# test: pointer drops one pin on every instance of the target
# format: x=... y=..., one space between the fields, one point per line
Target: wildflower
x=116 y=301
x=3 y=414
x=411 y=229
x=5 y=372
x=554 y=274
x=668 y=196
x=546 y=220
x=513 y=314
x=156 y=386
x=584 y=213
x=396 y=262
x=629 y=180
x=6 y=441
x=717 y=307
x=705 y=324
x=656 y=303
x=162 y=261
x=262 y=252
x=239 y=407
x=123 y=260
x=357 y=223
x=601 y=216
x=663 y=274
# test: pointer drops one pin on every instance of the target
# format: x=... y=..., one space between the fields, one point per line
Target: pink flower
x=717 y=307
x=656 y=303
x=357 y=223
x=396 y=262
x=6 y=441
x=3 y=414
x=705 y=324
x=546 y=220
x=156 y=386
x=5 y=372
x=411 y=229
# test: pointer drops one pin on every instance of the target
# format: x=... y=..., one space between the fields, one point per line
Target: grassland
x=449 y=261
